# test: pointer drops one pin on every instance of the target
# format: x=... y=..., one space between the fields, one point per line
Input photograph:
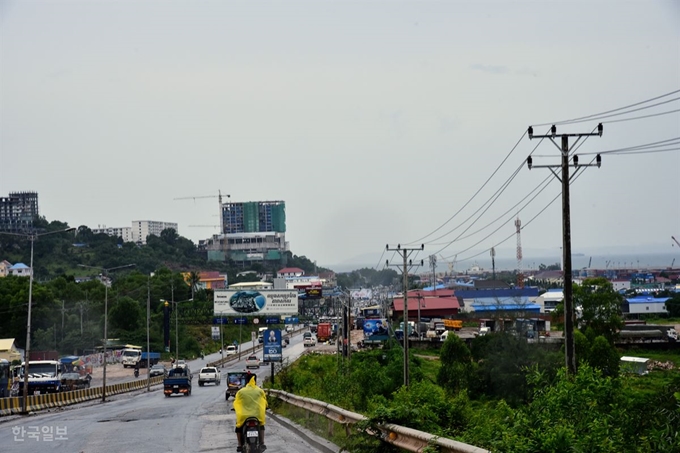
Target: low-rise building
x=20 y=270
x=138 y=232
x=4 y=268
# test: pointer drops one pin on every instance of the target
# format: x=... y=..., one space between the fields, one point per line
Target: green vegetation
x=69 y=317
x=519 y=400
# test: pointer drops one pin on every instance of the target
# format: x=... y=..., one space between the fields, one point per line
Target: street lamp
x=31 y=237
x=176 y=310
x=106 y=271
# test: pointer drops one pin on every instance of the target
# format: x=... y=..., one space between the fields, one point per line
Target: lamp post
x=105 y=272
x=31 y=237
x=148 y=341
x=176 y=310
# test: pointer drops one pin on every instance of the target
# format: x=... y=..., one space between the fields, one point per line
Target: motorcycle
x=136 y=372
x=250 y=433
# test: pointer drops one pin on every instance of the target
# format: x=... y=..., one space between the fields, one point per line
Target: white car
x=252 y=362
x=181 y=364
x=209 y=374
x=231 y=350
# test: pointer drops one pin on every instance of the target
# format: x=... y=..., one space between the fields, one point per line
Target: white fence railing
x=406 y=438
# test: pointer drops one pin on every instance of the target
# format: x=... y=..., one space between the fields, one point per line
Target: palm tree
x=194 y=280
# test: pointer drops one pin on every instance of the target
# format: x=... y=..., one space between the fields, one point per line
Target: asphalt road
x=145 y=422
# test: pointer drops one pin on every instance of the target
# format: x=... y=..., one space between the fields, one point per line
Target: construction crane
x=219 y=200
x=452 y=264
x=675 y=240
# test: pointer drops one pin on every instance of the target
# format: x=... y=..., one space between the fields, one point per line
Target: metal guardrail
x=406 y=438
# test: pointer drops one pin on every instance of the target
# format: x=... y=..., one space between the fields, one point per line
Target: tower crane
x=452 y=264
x=675 y=240
x=219 y=200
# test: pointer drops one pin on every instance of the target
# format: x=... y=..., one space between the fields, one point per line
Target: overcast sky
x=374 y=121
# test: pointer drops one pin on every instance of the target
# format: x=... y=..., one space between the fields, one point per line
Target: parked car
x=158 y=370
x=252 y=362
x=209 y=374
x=231 y=350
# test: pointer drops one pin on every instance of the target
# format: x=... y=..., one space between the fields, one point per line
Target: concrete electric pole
x=564 y=178
x=405 y=253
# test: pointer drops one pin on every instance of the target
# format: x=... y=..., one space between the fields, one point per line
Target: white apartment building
x=143 y=228
x=121 y=232
x=138 y=232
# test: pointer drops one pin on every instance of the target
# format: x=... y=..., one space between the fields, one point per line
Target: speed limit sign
x=256 y=321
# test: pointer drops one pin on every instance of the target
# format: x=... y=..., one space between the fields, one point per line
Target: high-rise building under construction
x=18 y=211
x=254 y=217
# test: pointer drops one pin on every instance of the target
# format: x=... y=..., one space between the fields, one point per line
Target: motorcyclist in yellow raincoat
x=250 y=401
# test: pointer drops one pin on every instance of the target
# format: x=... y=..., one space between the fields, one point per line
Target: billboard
x=376 y=328
x=215 y=333
x=271 y=347
x=256 y=302
x=313 y=293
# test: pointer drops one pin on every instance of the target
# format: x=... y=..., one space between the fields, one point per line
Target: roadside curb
x=316 y=441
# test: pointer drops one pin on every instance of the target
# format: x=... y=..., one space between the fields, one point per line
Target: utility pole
x=565 y=179
x=405 y=253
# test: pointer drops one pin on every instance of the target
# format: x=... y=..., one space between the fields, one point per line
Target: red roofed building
x=440 y=303
x=288 y=272
x=212 y=280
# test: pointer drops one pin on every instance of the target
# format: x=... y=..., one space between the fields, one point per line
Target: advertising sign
x=313 y=293
x=291 y=320
x=256 y=302
x=376 y=328
x=272 y=346
x=215 y=333
x=220 y=320
x=240 y=320
x=272 y=321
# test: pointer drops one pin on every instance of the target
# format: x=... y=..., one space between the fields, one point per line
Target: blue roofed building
x=644 y=304
x=20 y=270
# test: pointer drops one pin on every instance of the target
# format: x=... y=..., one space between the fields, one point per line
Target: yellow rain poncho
x=250 y=401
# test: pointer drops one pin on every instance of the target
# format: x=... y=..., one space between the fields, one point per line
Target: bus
x=5 y=379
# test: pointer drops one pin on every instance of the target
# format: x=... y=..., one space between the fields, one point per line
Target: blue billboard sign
x=271 y=346
x=291 y=320
x=375 y=329
x=220 y=320
x=240 y=320
x=272 y=320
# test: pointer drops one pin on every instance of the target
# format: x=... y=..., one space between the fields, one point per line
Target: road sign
x=256 y=321
x=291 y=320
x=272 y=320
x=253 y=337
x=220 y=321
x=240 y=320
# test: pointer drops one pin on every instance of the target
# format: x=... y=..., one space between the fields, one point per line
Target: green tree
x=673 y=306
x=456 y=361
x=600 y=307
x=126 y=314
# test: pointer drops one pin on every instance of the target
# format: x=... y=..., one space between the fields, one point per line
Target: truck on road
x=323 y=332
x=131 y=355
x=178 y=381
x=44 y=376
x=209 y=374
x=147 y=357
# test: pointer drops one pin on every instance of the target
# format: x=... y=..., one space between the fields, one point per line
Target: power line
x=642 y=117
x=610 y=111
x=491 y=200
x=473 y=196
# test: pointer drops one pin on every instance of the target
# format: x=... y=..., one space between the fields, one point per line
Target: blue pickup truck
x=178 y=381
